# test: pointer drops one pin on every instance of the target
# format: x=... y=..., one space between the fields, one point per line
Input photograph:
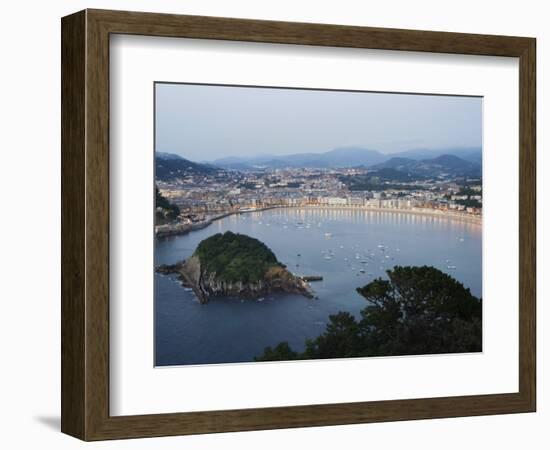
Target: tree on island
x=417 y=310
x=235 y=257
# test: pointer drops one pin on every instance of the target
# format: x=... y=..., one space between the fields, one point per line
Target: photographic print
x=305 y=224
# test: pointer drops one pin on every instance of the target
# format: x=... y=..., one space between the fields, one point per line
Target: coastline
x=416 y=211
x=162 y=231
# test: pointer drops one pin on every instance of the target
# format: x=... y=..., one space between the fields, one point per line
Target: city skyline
x=209 y=122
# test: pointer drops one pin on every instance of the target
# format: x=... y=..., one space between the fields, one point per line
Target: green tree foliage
x=341 y=338
x=281 y=352
x=235 y=257
x=164 y=211
x=417 y=310
x=380 y=180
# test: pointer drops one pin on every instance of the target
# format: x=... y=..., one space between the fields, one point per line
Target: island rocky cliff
x=235 y=265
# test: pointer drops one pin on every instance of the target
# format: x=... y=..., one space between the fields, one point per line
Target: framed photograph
x=272 y=225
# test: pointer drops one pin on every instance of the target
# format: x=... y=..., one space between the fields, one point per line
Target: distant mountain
x=474 y=157
x=451 y=162
x=471 y=154
x=169 y=166
x=238 y=166
x=343 y=157
x=434 y=167
x=353 y=156
x=165 y=155
x=339 y=157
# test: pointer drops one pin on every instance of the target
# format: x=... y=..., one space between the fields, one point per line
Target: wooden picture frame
x=85 y=224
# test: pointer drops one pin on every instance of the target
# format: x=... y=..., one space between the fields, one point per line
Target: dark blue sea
x=349 y=248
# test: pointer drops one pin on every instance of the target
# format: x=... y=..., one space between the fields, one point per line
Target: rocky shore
x=277 y=279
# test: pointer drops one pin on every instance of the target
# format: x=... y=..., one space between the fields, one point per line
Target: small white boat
x=451 y=267
x=328 y=235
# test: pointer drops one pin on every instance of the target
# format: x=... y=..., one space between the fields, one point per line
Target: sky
x=208 y=122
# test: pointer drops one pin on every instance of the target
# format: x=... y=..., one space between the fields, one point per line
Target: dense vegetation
x=380 y=180
x=443 y=165
x=235 y=257
x=165 y=211
x=417 y=310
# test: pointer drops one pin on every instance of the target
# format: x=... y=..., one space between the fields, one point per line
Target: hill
x=471 y=154
x=169 y=166
x=339 y=157
x=380 y=179
x=434 y=167
x=343 y=157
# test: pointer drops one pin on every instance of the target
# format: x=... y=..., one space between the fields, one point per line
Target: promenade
x=180 y=228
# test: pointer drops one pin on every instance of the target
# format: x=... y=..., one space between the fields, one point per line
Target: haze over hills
x=471 y=154
x=343 y=157
x=339 y=157
x=460 y=161
x=443 y=164
x=167 y=156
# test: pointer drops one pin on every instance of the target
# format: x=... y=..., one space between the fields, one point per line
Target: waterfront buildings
x=203 y=197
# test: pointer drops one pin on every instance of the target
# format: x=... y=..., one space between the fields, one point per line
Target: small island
x=235 y=265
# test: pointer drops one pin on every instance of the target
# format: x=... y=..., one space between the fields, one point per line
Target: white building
x=337 y=201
